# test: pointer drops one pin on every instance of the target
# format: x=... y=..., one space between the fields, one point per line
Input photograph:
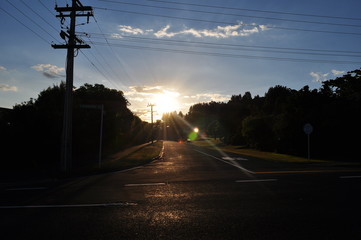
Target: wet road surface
x=192 y=193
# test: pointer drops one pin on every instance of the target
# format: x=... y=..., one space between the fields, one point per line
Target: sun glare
x=166 y=102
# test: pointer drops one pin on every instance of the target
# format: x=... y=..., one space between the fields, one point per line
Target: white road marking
x=71 y=205
x=144 y=184
x=26 y=189
x=230 y=163
x=235 y=158
x=256 y=180
x=350 y=177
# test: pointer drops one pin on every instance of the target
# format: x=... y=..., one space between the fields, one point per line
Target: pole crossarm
x=58 y=46
x=77 y=8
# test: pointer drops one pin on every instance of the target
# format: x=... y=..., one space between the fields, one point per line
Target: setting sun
x=166 y=102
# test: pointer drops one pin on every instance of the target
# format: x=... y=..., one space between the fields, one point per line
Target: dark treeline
x=275 y=121
x=31 y=131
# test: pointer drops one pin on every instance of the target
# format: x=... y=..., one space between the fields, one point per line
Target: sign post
x=308 y=129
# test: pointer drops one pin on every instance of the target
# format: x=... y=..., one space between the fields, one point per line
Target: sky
x=173 y=54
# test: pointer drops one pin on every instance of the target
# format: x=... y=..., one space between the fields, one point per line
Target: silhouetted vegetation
x=275 y=122
x=31 y=131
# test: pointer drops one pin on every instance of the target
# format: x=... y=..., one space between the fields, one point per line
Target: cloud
x=236 y=30
x=2 y=68
x=134 y=31
x=321 y=77
x=7 y=88
x=145 y=90
x=49 y=70
x=208 y=97
x=337 y=72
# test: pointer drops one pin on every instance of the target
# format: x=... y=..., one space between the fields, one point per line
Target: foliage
x=32 y=135
x=275 y=122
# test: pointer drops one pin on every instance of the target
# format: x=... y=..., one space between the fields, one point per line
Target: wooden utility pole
x=73 y=43
x=151 y=116
x=151 y=111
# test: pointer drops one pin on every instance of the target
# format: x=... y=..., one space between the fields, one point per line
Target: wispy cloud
x=2 y=68
x=49 y=70
x=321 y=77
x=337 y=72
x=8 y=88
x=237 y=30
x=145 y=90
x=208 y=97
x=132 y=30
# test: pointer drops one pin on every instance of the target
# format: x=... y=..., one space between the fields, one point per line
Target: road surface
x=192 y=193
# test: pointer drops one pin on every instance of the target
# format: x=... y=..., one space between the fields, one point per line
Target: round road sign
x=308 y=129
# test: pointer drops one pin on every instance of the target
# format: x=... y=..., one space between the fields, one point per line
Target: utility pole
x=151 y=111
x=151 y=114
x=73 y=43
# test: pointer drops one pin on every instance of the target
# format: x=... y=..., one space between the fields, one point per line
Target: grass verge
x=142 y=156
x=216 y=144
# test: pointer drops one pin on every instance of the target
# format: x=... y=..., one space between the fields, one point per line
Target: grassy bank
x=142 y=156
x=139 y=157
x=216 y=144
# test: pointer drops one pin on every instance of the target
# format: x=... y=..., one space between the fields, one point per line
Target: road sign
x=308 y=128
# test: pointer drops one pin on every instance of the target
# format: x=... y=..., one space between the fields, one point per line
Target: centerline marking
x=256 y=180
x=143 y=184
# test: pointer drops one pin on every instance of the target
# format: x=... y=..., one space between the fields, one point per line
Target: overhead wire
x=96 y=68
x=30 y=29
x=242 y=47
x=231 y=14
x=110 y=47
x=224 y=22
x=256 y=10
x=31 y=9
x=25 y=15
x=229 y=55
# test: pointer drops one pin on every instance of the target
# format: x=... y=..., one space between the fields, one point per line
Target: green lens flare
x=192 y=136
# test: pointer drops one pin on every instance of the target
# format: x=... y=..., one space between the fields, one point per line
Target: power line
x=232 y=14
x=244 y=49
x=102 y=66
x=257 y=10
x=39 y=15
x=226 y=45
x=95 y=66
x=110 y=47
x=229 y=23
x=42 y=38
x=229 y=55
x=46 y=8
x=31 y=20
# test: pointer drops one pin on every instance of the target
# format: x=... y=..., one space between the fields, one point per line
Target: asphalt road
x=192 y=193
